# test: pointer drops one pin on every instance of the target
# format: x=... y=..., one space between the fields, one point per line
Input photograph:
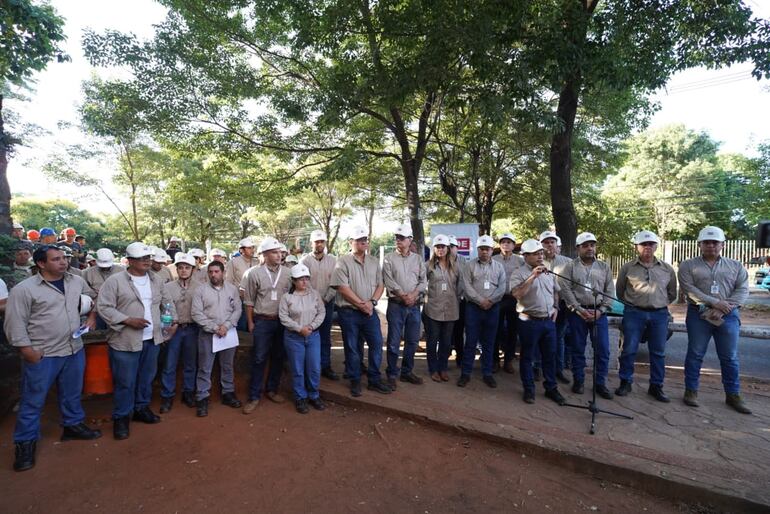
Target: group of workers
x=549 y=303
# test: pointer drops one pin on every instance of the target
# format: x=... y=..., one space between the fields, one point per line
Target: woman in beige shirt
x=302 y=312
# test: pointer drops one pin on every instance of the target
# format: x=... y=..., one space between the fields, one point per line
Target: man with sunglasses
x=646 y=285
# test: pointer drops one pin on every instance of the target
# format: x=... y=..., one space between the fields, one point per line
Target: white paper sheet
x=223 y=343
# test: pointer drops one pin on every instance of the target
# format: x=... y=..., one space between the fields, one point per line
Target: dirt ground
x=275 y=460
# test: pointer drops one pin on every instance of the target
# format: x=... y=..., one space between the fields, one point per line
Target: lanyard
x=274 y=283
x=588 y=273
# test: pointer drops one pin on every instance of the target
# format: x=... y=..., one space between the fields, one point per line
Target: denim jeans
x=580 y=331
x=132 y=376
x=325 y=332
x=505 y=341
x=268 y=343
x=699 y=333
x=439 y=343
x=353 y=324
x=402 y=320
x=243 y=324
x=37 y=379
x=480 y=326
x=458 y=334
x=541 y=334
x=304 y=354
x=184 y=342
x=637 y=323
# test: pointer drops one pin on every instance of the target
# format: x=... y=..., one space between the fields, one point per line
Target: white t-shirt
x=142 y=285
x=3 y=290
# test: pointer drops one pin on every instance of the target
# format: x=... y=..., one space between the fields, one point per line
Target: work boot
x=463 y=380
x=560 y=377
x=735 y=401
x=165 y=405
x=624 y=388
x=317 y=403
x=301 y=405
x=495 y=366
x=355 y=388
x=436 y=377
x=691 y=398
x=411 y=378
x=329 y=373
x=490 y=381
x=80 y=431
x=202 y=408
x=145 y=415
x=555 y=395
x=577 y=387
x=188 y=398
x=25 y=455
x=529 y=396
x=656 y=391
x=275 y=397
x=379 y=387
x=602 y=391
x=509 y=367
x=444 y=376
x=231 y=400
x=120 y=428
x=392 y=383
x=250 y=406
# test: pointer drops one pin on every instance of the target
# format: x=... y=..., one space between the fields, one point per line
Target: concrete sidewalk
x=709 y=455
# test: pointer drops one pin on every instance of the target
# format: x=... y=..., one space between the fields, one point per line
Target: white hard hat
x=104 y=258
x=711 y=234
x=138 y=250
x=485 y=241
x=269 y=243
x=300 y=270
x=90 y=258
x=548 y=234
x=18 y=226
x=196 y=252
x=217 y=251
x=86 y=304
x=453 y=241
x=359 y=233
x=160 y=256
x=531 y=246
x=317 y=235
x=291 y=258
x=174 y=239
x=584 y=237
x=283 y=248
x=404 y=230
x=246 y=242
x=441 y=239
x=184 y=258
x=645 y=236
x=558 y=241
x=507 y=235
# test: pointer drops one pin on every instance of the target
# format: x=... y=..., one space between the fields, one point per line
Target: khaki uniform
x=182 y=298
x=321 y=274
x=696 y=279
x=540 y=299
x=477 y=275
x=301 y=310
x=442 y=301
x=363 y=278
x=211 y=307
x=597 y=275
x=259 y=286
x=403 y=274
x=95 y=276
x=164 y=274
x=646 y=287
x=558 y=264
x=236 y=268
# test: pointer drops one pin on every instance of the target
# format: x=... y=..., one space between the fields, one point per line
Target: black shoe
x=529 y=396
x=231 y=400
x=656 y=391
x=536 y=374
x=411 y=378
x=355 y=388
x=463 y=380
x=577 y=387
x=602 y=391
x=145 y=415
x=561 y=378
x=25 y=455
x=317 y=403
x=188 y=398
x=80 y=431
x=490 y=381
x=202 y=408
x=165 y=405
x=392 y=383
x=330 y=374
x=555 y=395
x=379 y=387
x=301 y=405
x=624 y=388
x=120 y=428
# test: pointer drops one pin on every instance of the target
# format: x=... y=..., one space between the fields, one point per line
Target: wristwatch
x=374 y=302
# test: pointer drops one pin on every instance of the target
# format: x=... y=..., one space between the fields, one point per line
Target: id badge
x=444 y=287
x=486 y=284
x=274 y=295
x=714 y=288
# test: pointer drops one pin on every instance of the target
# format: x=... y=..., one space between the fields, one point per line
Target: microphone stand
x=592 y=406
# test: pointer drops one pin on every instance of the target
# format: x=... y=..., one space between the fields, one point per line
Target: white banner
x=466 y=234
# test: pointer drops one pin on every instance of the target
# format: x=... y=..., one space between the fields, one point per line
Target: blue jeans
x=635 y=323
x=541 y=334
x=268 y=343
x=304 y=354
x=325 y=331
x=37 y=379
x=699 y=333
x=353 y=324
x=243 y=324
x=480 y=326
x=132 y=376
x=580 y=331
x=439 y=343
x=402 y=320
x=505 y=340
x=185 y=341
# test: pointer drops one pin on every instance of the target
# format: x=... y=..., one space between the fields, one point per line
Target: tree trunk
x=6 y=223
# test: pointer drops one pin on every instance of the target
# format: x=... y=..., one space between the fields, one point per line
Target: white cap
x=558 y=241
x=137 y=250
x=104 y=258
x=317 y=235
x=283 y=248
x=246 y=242
x=90 y=258
x=18 y=226
x=645 y=236
x=291 y=258
x=269 y=243
x=196 y=252
x=711 y=234
x=548 y=234
x=485 y=241
x=453 y=241
x=184 y=258
x=300 y=270
x=217 y=251
x=160 y=256
x=441 y=239
x=507 y=235
x=404 y=230
x=86 y=304
x=359 y=232
x=584 y=237
x=531 y=246
x=174 y=239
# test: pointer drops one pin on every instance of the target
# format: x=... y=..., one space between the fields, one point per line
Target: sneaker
x=231 y=400
x=202 y=408
x=577 y=387
x=411 y=378
x=555 y=395
x=355 y=388
x=463 y=380
x=529 y=396
x=301 y=405
x=560 y=377
x=275 y=397
x=691 y=398
x=602 y=391
x=80 y=431
x=490 y=381
x=330 y=374
x=250 y=406
x=379 y=387
x=25 y=455
x=166 y=404
x=735 y=401
x=624 y=388
x=188 y=398
x=656 y=391
x=145 y=415
x=317 y=403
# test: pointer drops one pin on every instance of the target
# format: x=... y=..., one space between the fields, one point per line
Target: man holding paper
x=216 y=307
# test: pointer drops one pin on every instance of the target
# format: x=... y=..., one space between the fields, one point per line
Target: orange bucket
x=98 y=376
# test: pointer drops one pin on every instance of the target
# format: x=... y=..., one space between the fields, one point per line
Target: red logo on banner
x=463 y=244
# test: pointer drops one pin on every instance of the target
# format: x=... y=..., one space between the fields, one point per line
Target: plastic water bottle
x=166 y=319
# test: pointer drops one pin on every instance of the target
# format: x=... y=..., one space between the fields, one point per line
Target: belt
x=266 y=317
x=537 y=318
x=184 y=325
x=591 y=307
x=647 y=309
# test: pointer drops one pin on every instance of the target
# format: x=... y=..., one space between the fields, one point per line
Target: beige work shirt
x=38 y=314
x=212 y=306
x=510 y=264
x=541 y=299
x=363 y=278
x=164 y=274
x=119 y=300
x=182 y=297
x=484 y=280
x=321 y=271
x=302 y=310
x=201 y=275
x=236 y=268
x=442 y=303
x=650 y=286
x=558 y=264
x=596 y=275
x=264 y=288
x=403 y=274
x=95 y=276
x=728 y=276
